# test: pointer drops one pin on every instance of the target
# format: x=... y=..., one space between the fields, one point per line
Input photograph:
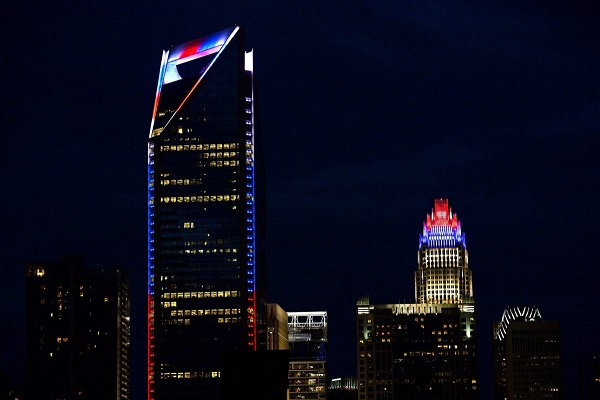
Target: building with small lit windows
x=526 y=356
x=206 y=216
x=342 y=389
x=426 y=349
x=308 y=354
x=77 y=333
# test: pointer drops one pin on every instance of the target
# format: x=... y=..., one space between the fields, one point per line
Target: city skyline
x=368 y=113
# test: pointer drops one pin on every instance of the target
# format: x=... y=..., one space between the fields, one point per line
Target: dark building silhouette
x=255 y=375
x=9 y=391
x=526 y=356
x=595 y=380
x=427 y=349
x=77 y=332
x=206 y=216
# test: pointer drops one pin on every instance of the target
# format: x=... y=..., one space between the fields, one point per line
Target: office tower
x=526 y=356
x=427 y=349
x=308 y=354
x=277 y=328
x=77 y=332
x=206 y=261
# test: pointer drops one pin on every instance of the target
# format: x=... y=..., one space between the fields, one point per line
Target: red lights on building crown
x=441 y=215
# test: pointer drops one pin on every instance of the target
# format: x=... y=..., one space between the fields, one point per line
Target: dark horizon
x=368 y=112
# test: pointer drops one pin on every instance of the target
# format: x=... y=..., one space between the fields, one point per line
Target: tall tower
x=206 y=261
x=443 y=274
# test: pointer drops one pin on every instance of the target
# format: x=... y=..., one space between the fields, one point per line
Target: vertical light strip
x=161 y=77
x=251 y=250
x=150 y=310
x=150 y=332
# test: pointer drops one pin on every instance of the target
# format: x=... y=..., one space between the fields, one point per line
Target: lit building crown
x=442 y=228
x=524 y=313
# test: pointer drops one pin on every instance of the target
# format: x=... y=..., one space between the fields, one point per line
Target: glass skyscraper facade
x=206 y=261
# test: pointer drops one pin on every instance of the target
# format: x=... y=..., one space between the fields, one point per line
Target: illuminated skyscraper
x=206 y=261
x=526 y=356
x=443 y=274
x=427 y=349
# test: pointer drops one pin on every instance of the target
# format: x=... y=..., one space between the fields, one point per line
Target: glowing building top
x=523 y=313
x=443 y=274
x=441 y=228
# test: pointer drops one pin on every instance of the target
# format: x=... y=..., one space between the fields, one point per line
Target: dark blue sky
x=369 y=111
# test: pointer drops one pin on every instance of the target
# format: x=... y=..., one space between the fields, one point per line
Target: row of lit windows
x=189 y=375
x=219 y=241
x=196 y=147
x=210 y=311
x=200 y=251
x=208 y=251
x=446 y=284
x=232 y=163
x=200 y=199
x=221 y=154
x=443 y=294
x=445 y=273
x=441 y=251
x=443 y=262
x=200 y=295
x=184 y=182
x=187 y=321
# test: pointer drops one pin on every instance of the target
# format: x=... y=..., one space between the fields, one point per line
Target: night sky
x=369 y=111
